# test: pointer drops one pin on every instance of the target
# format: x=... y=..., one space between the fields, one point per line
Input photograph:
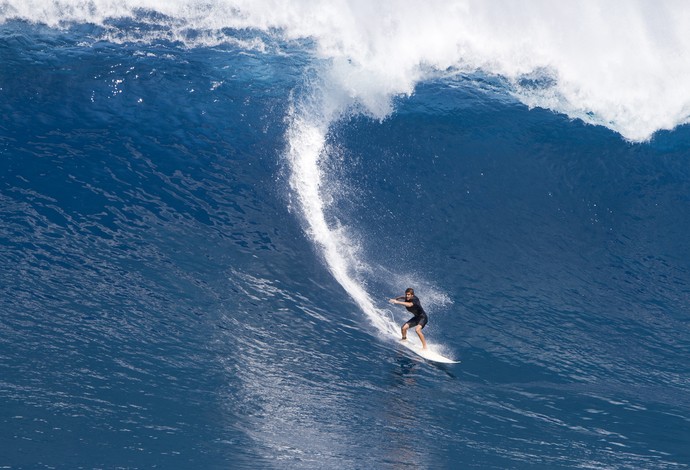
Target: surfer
x=414 y=306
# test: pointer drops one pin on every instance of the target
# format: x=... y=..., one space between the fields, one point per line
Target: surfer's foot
x=404 y=338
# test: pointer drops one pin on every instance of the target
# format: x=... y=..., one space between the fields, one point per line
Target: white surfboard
x=430 y=354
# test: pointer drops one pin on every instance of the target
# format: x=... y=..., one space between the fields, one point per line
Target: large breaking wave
x=622 y=66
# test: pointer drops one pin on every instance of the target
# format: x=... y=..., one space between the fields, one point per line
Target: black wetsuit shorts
x=420 y=320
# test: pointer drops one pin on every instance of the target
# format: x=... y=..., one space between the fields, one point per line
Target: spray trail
x=307 y=134
x=307 y=147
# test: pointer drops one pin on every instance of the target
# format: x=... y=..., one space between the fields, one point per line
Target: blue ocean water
x=204 y=209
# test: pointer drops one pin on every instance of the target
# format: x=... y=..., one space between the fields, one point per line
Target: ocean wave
x=617 y=65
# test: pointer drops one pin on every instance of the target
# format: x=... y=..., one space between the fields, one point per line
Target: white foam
x=306 y=146
x=618 y=64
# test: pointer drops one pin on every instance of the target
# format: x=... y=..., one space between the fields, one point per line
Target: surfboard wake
x=309 y=123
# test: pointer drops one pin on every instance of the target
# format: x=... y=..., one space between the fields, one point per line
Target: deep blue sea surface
x=205 y=208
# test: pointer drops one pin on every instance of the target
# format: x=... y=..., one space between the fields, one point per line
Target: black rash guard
x=416 y=308
x=420 y=317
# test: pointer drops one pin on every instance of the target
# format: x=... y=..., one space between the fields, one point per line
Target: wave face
x=205 y=206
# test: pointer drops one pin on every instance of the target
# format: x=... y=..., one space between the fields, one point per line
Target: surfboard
x=430 y=354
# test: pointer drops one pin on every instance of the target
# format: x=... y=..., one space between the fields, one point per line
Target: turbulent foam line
x=618 y=64
x=306 y=146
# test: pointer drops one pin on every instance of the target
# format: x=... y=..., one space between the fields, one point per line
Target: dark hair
x=409 y=290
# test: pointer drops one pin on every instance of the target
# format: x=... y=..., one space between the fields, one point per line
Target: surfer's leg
x=411 y=322
x=418 y=329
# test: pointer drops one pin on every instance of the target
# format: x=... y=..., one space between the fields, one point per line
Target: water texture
x=204 y=207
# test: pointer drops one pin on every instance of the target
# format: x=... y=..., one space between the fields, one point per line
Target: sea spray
x=620 y=65
x=306 y=136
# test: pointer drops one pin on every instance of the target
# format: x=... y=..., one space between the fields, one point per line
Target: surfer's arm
x=397 y=301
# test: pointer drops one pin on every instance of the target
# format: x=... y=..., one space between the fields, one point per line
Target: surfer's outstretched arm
x=399 y=301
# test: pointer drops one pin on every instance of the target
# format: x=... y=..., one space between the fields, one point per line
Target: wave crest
x=618 y=65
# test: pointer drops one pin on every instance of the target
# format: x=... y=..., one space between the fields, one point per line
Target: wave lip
x=622 y=66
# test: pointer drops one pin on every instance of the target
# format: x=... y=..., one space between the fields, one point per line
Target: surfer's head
x=409 y=292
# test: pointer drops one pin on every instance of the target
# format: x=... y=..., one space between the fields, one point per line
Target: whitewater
x=493 y=155
x=619 y=66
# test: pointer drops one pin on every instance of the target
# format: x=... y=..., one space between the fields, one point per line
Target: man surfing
x=414 y=306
